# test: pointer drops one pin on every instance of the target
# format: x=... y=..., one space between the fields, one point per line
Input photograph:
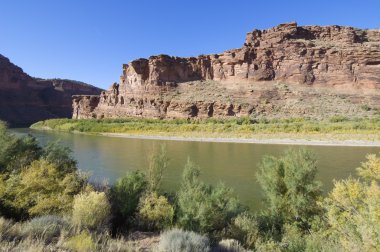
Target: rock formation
x=25 y=100
x=276 y=70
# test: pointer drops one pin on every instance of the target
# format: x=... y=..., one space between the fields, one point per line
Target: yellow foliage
x=91 y=209
x=155 y=211
x=353 y=209
x=42 y=189
x=371 y=168
x=82 y=242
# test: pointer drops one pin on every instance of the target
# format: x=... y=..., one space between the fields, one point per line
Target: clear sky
x=90 y=40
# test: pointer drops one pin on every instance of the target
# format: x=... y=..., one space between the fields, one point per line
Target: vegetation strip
x=334 y=131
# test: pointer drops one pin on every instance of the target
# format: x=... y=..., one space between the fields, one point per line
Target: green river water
x=235 y=164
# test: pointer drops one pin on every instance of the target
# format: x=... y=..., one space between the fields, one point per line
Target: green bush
x=290 y=187
x=46 y=227
x=203 y=208
x=293 y=240
x=245 y=229
x=269 y=246
x=185 y=241
x=320 y=242
x=155 y=212
x=158 y=163
x=336 y=119
x=15 y=152
x=91 y=210
x=60 y=156
x=125 y=196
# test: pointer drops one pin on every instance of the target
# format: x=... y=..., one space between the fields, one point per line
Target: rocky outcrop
x=341 y=59
x=25 y=100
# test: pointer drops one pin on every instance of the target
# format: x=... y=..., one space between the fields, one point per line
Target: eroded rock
x=342 y=59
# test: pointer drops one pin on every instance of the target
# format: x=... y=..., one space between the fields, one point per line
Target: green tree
x=290 y=187
x=204 y=208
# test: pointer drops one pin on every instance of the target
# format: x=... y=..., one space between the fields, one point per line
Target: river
x=235 y=164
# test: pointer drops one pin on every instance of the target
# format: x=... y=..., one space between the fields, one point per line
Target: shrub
x=336 y=119
x=46 y=227
x=91 y=210
x=60 y=156
x=290 y=187
x=184 y=241
x=155 y=212
x=268 y=246
x=41 y=189
x=244 y=228
x=319 y=242
x=158 y=163
x=34 y=181
x=203 y=208
x=353 y=208
x=82 y=242
x=125 y=196
x=293 y=239
x=365 y=107
x=370 y=170
x=15 y=152
x=228 y=245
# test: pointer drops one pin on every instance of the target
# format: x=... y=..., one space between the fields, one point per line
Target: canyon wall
x=25 y=100
x=334 y=61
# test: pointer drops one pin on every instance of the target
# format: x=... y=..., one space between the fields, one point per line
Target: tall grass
x=234 y=127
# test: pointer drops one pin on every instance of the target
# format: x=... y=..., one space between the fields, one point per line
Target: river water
x=235 y=164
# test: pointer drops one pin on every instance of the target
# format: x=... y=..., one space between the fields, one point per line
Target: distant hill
x=25 y=100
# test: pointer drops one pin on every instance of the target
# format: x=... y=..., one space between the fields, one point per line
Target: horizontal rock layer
x=333 y=57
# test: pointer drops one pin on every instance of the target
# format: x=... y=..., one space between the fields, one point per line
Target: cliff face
x=343 y=61
x=25 y=100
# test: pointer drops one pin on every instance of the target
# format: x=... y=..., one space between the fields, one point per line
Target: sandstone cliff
x=25 y=100
x=288 y=70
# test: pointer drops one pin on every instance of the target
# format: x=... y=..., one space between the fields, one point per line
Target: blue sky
x=90 y=40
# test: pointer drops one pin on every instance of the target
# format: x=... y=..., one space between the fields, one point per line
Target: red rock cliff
x=343 y=59
x=25 y=100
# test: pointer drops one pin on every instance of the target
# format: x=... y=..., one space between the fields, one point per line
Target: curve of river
x=235 y=164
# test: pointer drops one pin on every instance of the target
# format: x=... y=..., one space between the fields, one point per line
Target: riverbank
x=337 y=131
